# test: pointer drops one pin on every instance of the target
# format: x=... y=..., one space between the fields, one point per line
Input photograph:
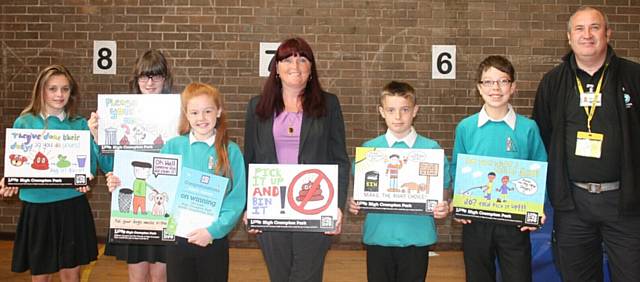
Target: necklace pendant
x=290 y=130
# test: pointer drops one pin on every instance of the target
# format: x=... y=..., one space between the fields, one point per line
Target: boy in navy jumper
x=398 y=244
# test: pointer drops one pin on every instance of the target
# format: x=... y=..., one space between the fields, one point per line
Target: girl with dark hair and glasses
x=151 y=75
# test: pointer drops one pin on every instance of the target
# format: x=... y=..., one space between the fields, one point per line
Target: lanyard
x=591 y=111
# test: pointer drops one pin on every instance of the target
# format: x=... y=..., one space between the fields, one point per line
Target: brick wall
x=360 y=46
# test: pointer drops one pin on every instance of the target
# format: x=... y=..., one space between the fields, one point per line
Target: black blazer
x=322 y=141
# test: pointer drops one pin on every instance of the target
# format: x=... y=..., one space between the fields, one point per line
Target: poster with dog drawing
x=35 y=158
x=198 y=201
x=136 y=122
x=500 y=190
x=390 y=180
x=141 y=205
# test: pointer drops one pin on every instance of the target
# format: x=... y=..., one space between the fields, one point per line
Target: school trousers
x=294 y=256
x=581 y=233
x=397 y=264
x=190 y=262
x=483 y=242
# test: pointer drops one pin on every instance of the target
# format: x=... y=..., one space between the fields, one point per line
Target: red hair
x=222 y=138
x=271 y=102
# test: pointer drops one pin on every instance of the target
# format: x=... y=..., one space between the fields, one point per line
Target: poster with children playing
x=292 y=197
x=47 y=158
x=391 y=180
x=141 y=205
x=508 y=191
x=136 y=122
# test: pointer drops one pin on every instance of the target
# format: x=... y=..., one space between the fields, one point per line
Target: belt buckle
x=595 y=188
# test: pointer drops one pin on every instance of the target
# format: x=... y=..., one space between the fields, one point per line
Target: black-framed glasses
x=154 y=78
x=501 y=83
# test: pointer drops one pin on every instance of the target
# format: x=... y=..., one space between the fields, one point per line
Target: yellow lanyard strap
x=591 y=111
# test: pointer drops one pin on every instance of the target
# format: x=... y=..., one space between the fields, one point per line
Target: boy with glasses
x=497 y=131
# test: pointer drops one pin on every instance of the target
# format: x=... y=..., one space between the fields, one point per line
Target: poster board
x=137 y=122
x=198 y=201
x=508 y=191
x=47 y=158
x=141 y=206
x=292 y=197
x=391 y=180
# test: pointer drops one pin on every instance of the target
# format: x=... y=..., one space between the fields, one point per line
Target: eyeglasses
x=154 y=78
x=501 y=83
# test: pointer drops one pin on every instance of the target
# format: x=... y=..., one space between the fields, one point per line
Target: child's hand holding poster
x=47 y=158
x=398 y=180
x=198 y=201
x=292 y=197
x=137 y=122
x=508 y=191
x=141 y=206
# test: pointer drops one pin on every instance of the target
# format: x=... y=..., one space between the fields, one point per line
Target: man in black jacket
x=588 y=111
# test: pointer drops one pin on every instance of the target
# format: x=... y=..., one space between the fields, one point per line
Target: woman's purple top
x=286 y=135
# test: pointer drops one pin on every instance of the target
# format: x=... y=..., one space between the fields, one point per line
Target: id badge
x=589 y=144
x=211 y=164
x=586 y=99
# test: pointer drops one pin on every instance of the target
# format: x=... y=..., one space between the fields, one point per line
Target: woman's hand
x=249 y=230
x=200 y=237
x=354 y=208
x=113 y=181
x=93 y=125
x=338 y=229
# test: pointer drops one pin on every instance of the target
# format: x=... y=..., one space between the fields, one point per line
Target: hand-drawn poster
x=141 y=206
x=508 y=191
x=198 y=201
x=292 y=197
x=391 y=180
x=47 y=158
x=137 y=122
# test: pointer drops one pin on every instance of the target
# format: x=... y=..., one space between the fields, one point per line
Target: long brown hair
x=271 y=102
x=36 y=105
x=151 y=63
x=195 y=89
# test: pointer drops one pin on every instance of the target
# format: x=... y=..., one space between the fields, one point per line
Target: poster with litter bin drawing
x=137 y=122
x=141 y=206
x=198 y=201
x=292 y=197
x=391 y=180
x=35 y=158
x=508 y=191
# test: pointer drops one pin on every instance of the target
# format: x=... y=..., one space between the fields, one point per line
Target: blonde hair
x=36 y=105
x=195 y=89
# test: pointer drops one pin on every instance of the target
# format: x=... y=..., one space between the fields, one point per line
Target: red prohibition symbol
x=301 y=207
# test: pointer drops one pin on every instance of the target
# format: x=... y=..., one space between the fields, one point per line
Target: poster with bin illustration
x=283 y=197
x=508 y=191
x=35 y=158
x=137 y=122
x=141 y=206
x=198 y=201
x=392 y=180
